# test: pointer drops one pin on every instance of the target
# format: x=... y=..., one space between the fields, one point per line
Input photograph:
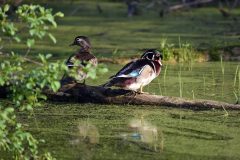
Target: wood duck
x=139 y=73
x=80 y=59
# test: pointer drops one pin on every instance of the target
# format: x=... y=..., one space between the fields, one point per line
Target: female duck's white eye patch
x=79 y=39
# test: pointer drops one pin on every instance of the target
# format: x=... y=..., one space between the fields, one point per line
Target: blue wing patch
x=133 y=74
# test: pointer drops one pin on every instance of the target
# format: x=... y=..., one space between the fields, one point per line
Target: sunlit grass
x=235 y=76
x=180 y=83
x=236 y=89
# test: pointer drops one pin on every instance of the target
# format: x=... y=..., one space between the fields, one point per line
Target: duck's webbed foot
x=139 y=92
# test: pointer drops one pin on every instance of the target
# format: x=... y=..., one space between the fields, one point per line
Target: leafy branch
x=34 y=18
x=25 y=88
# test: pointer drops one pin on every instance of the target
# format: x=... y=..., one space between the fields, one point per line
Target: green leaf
x=9 y=110
x=29 y=86
x=59 y=14
x=32 y=32
x=48 y=56
x=43 y=97
x=55 y=86
x=30 y=42
x=17 y=39
x=52 y=38
x=1 y=81
x=29 y=107
x=6 y=8
x=43 y=83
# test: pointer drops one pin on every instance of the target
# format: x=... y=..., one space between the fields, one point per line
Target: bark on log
x=96 y=94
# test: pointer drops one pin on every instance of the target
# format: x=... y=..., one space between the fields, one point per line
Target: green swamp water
x=92 y=131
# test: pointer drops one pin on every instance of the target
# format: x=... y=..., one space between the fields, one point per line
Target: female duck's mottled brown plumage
x=80 y=59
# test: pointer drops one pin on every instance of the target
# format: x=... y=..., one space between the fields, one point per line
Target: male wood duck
x=80 y=59
x=139 y=73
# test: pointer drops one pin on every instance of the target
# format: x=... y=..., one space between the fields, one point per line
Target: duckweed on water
x=91 y=131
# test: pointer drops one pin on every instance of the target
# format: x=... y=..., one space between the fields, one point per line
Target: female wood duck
x=139 y=73
x=80 y=59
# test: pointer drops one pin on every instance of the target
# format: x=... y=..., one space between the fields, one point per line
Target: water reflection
x=145 y=135
x=84 y=141
x=87 y=133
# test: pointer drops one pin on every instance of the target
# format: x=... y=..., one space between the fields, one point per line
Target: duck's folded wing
x=133 y=69
x=81 y=60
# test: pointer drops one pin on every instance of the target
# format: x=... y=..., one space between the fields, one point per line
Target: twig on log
x=184 y=5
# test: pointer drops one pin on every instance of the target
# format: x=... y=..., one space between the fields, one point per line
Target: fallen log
x=80 y=93
x=96 y=94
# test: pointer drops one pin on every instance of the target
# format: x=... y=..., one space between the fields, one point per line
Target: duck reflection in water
x=145 y=135
x=87 y=133
x=84 y=141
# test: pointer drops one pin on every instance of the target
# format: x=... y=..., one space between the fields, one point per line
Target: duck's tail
x=108 y=84
x=111 y=82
